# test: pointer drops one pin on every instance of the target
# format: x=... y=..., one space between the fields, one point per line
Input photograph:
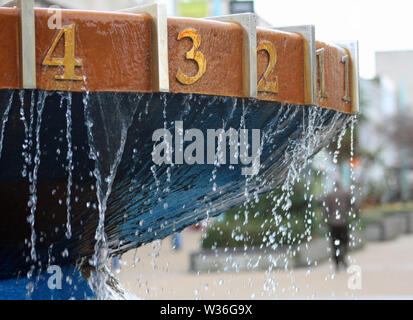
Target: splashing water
x=107 y=132
x=299 y=157
x=4 y=120
x=148 y=202
x=69 y=158
x=33 y=187
x=28 y=127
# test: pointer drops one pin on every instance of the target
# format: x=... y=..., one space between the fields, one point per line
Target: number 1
x=320 y=55
x=346 y=97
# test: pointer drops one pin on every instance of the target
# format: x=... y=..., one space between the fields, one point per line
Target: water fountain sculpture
x=80 y=105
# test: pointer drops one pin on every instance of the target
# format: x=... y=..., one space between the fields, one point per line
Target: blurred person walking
x=336 y=211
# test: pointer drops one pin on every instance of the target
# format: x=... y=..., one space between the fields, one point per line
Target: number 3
x=195 y=55
x=264 y=84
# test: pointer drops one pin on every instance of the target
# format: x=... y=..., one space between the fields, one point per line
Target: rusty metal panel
x=289 y=69
x=97 y=51
x=331 y=77
x=220 y=63
x=353 y=49
x=308 y=33
x=112 y=51
x=248 y=21
x=9 y=49
x=158 y=12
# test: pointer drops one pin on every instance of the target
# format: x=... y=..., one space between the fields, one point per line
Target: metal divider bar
x=353 y=48
x=27 y=41
x=248 y=22
x=158 y=12
x=308 y=32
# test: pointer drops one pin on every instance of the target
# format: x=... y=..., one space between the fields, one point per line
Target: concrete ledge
x=357 y=240
x=388 y=228
x=315 y=251
x=373 y=231
x=239 y=260
x=409 y=222
x=406 y=221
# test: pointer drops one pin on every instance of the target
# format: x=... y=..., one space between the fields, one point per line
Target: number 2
x=264 y=85
x=69 y=61
x=193 y=54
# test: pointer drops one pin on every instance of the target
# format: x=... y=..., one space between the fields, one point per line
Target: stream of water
x=158 y=200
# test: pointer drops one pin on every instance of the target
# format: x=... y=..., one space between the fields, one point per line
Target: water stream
x=107 y=126
x=150 y=202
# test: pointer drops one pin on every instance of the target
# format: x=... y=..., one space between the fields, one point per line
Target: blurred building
x=85 y=4
x=398 y=66
x=379 y=174
x=384 y=99
x=184 y=8
x=209 y=8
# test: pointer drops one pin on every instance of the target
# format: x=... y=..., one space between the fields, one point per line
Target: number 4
x=69 y=61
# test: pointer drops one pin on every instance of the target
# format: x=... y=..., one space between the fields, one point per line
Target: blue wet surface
x=73 y=286
x=144 y=204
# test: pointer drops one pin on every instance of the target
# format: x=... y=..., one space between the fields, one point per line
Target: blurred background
x=374 y=163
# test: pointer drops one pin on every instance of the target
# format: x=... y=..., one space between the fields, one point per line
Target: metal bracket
x=27 y=41
x=9 y=4
x=249 y=22
x=158 y=12
x=308 y=33
x=353 y=48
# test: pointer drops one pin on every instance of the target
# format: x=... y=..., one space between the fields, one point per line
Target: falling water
x=100 y=256
x=353 y=212
x=102 y=124
x=156 y=246
x=33 y=187
x=299 y=155
x=27 y=135
x=317 y=126
x=108 y=118
x=69 y=158
x=4 y=120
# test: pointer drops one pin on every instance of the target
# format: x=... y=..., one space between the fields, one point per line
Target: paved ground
x=160 y=273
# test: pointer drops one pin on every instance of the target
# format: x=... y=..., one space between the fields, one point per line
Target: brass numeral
x=346 y=97
x=193 y=54
x=264 y=85
x=321 y=70
x=69 y=61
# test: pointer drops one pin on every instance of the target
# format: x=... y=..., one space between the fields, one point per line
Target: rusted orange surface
x=289 y=68
x=334 y=70
x=115 y=51
x=9 y=49
x=221 y=45
x=116 y=55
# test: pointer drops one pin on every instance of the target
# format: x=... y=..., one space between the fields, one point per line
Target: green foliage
x=259 y=225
